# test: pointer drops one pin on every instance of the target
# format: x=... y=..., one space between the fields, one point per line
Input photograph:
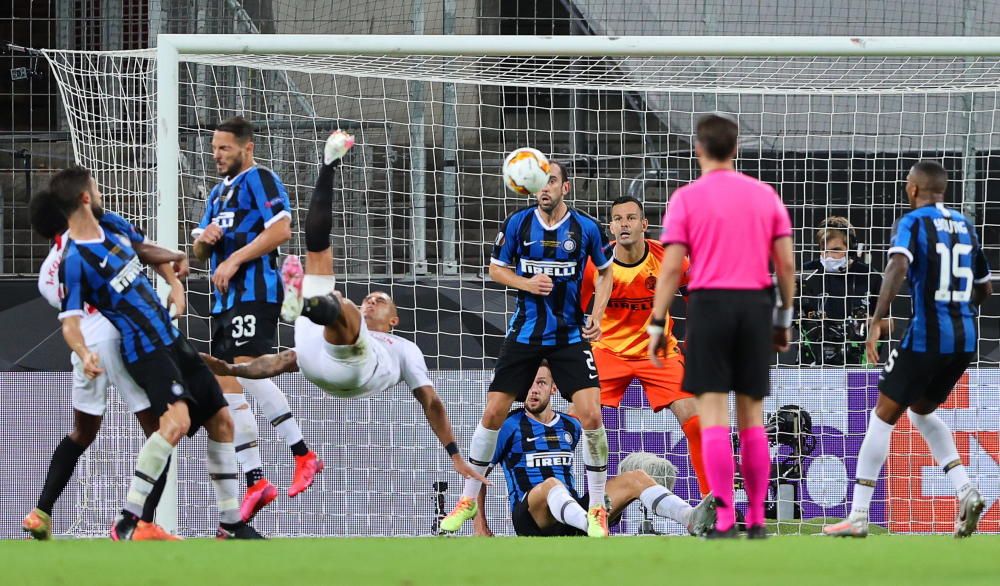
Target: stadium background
x=619 y=143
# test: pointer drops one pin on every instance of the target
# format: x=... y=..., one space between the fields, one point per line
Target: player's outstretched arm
x=437 y=417
x=261 y=367
x=892 y=282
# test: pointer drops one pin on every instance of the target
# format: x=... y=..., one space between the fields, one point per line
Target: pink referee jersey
x=728 y=222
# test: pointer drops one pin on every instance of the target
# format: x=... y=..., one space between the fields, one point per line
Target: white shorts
x=91 y=395
x=346 y=372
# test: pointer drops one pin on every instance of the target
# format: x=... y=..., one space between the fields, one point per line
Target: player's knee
x=222 y=424
x=175 y=423
x=83 y=437
x=550 y=483
x=590 y=418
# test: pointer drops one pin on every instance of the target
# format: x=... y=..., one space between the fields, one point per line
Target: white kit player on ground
x=345 y=350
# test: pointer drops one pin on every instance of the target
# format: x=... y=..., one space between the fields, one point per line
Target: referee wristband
x=782 y=317
x=451 y=448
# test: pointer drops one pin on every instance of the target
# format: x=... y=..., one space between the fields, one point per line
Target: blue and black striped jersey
x=244 y=206
x=527 y=246
x=107 y=274
x=530 y=451
x=946 y=260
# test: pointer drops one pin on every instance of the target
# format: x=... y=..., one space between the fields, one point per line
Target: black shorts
x=177 y=373
x=909 y=376
x=729 y=342
x=525 y=526
x=246 y=329
x=572 y=368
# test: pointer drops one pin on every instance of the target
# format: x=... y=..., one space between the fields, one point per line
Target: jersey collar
x=538 y=216
x=629 y=265
x=96 y=241
x=230 y=180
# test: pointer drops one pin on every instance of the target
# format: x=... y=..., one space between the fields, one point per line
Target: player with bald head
x=347 y=351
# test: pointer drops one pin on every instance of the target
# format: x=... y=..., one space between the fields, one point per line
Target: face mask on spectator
x=834 y=265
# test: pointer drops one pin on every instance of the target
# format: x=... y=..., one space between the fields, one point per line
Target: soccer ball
x=526 y=171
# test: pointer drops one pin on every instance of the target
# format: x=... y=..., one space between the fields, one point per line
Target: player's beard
x=97 y=210
x=551 y=205
x=538 y=409
x=235 y=167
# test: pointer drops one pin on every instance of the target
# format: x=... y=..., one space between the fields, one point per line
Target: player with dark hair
x=247 y=216
x=536 y=448
x=732 y=226
x=622 y=354
x=100 y=267
x=348 y=352
x=541 y=250
x=936 y=250
x=89 y=395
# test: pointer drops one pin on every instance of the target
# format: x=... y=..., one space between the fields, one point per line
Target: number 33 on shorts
x=244 y=326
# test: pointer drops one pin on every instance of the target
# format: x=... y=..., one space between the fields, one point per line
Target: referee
x=731 y=225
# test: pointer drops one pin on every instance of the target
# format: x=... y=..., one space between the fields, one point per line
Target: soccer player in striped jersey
x=935 y=249
x=536 y=448
x=247 y=216
x=100 y=267
x=541 y=250
x=89 y=395
x=622 y=352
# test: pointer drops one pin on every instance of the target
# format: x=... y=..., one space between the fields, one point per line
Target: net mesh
x=420 y=201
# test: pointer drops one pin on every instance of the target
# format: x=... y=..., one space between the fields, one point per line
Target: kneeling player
x=535 y=448
x=346 y=351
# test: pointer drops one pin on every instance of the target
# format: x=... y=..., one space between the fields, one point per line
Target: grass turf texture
x=802 y=559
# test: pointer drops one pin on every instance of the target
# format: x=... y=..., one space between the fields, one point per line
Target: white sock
x=317 y=285
x=274 y=405
x=221 y=465
x=565 y=508
x=595 y=460
x=666 y=504
x=874 y=450
x=244 y=432
x=484 y=443
x=150 y=463
x=942 y=444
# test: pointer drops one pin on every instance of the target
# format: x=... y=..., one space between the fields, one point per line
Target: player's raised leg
x=638 y=484
x=587 y=408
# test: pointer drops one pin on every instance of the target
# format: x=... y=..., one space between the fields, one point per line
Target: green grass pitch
x=804 y=560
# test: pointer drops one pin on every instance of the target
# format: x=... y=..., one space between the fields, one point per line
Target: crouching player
x=536 y=447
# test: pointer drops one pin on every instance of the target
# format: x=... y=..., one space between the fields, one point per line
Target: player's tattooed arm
x=261 y=367
x=154 y=255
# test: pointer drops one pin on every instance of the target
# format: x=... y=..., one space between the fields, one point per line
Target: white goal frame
x=171 y=47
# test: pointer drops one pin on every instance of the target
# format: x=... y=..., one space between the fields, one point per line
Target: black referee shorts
x=176 y=373
x=729 y=341
x=910 y=376
x=572 y=368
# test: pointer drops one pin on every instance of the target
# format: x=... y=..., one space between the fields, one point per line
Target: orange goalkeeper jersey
x=631 y=307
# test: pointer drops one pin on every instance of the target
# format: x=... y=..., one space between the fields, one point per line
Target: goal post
x=832 y=122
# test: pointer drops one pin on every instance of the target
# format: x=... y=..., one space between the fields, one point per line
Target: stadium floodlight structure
x=832 y=122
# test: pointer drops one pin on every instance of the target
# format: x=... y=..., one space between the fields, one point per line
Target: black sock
x=300 y=448
x=323 y=310
x=319 y=217
x=153 y=500
x=129 y=517
x=61 y=468
x=231 y=526
x=253 y=476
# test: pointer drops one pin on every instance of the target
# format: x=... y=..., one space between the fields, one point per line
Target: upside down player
x=90 y=394
x=936 y=249
x=536 y=448
x=622 y=352
x=100 y=267
x=347 y=352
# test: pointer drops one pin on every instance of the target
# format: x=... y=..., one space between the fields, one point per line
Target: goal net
x=420 y=200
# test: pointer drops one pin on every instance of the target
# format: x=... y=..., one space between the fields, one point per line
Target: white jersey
x=376 y=362
x=95 y=327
